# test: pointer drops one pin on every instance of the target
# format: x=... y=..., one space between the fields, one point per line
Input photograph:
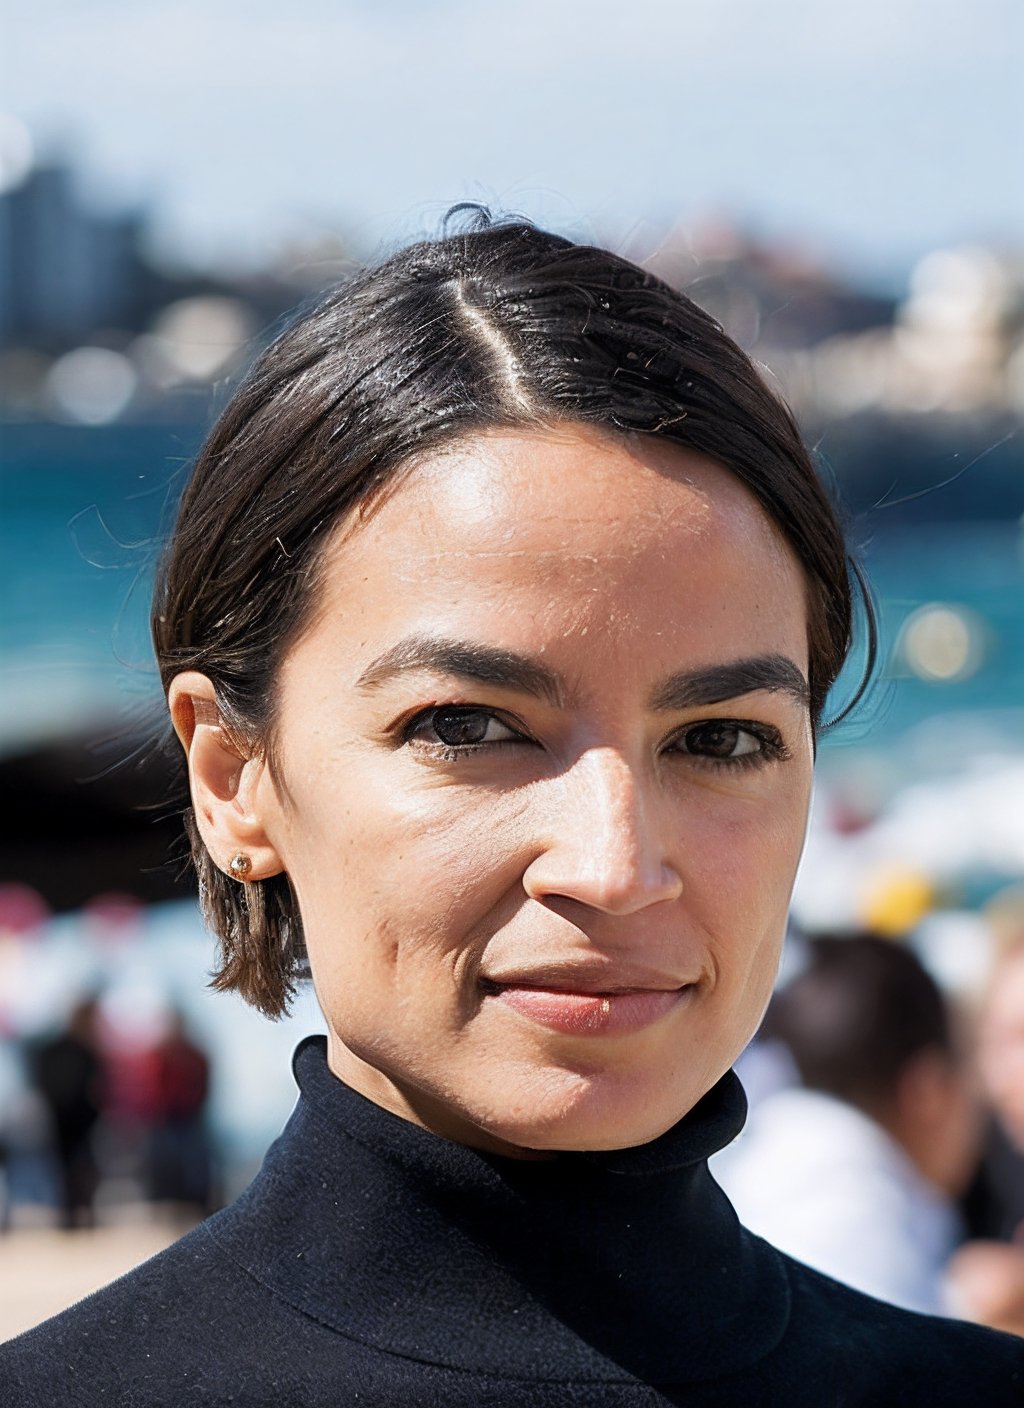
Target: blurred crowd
x=885 y=1145
x=81 y=1107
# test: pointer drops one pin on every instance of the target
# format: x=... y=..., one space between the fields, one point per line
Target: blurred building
x=93 y=332
x=953 y=344
x=65 y=270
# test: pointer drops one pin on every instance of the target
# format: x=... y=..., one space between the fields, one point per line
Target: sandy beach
x=45 y=1270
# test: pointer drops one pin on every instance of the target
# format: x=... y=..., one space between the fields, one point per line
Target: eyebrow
x=776 y=674
x=486 y=664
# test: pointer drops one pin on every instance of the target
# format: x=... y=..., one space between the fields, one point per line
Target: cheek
x=741 y=882
x=406 y=872
x=745 y=856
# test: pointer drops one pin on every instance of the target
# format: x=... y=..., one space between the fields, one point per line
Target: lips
x=616 y=1011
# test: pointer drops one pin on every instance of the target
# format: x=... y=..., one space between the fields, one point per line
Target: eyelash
x=454 y=753
x=772 y=746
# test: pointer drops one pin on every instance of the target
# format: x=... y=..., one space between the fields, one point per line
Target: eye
x=460 y=726
x=720 y=740
x=731 y=741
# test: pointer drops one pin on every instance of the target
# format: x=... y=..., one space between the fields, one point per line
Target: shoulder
x=899 y=1356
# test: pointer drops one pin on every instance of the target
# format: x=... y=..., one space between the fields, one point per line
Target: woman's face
x=542 y=769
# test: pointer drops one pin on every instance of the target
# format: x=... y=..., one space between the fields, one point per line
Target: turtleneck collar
x=606 y=1267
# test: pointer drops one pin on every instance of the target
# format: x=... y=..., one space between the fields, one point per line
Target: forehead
x=565 y=530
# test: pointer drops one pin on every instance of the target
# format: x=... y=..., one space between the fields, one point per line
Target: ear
x=233 y=795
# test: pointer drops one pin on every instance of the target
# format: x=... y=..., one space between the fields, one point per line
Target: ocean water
x=923 y=725
x=83 y=511
x=82 y=515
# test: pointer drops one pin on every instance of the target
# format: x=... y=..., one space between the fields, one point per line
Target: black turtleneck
x=575 y=1268
x=373 y=1263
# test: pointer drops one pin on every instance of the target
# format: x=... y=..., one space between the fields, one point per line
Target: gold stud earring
x=240 y=866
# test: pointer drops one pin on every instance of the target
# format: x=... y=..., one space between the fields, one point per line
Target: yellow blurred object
x=895 y=900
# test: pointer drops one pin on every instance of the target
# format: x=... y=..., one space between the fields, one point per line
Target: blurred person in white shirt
x=855 y=1171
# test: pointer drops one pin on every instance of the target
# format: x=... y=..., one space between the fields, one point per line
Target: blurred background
x=839 y=185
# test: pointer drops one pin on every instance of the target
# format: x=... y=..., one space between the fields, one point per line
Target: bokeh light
x=196 y=339
x=91 y=385
x=942 y=643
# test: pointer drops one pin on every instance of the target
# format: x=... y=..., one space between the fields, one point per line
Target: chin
x=579 y=1113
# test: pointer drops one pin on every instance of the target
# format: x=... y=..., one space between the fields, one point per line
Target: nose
x=604 y=845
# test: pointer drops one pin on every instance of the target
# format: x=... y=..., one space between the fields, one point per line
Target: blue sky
x=873 y=131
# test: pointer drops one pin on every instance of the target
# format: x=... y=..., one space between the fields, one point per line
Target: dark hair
x=856 y=1014
x=498 y=325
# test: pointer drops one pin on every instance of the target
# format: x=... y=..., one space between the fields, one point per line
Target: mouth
x=583 y=1009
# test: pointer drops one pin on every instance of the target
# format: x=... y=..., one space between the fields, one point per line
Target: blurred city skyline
x=869 y=135
x=94 y=330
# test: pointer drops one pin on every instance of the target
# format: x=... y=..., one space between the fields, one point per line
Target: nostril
x=607 y=845
x=547 y=882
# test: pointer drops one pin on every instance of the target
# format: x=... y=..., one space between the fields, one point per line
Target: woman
x=499 y=617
